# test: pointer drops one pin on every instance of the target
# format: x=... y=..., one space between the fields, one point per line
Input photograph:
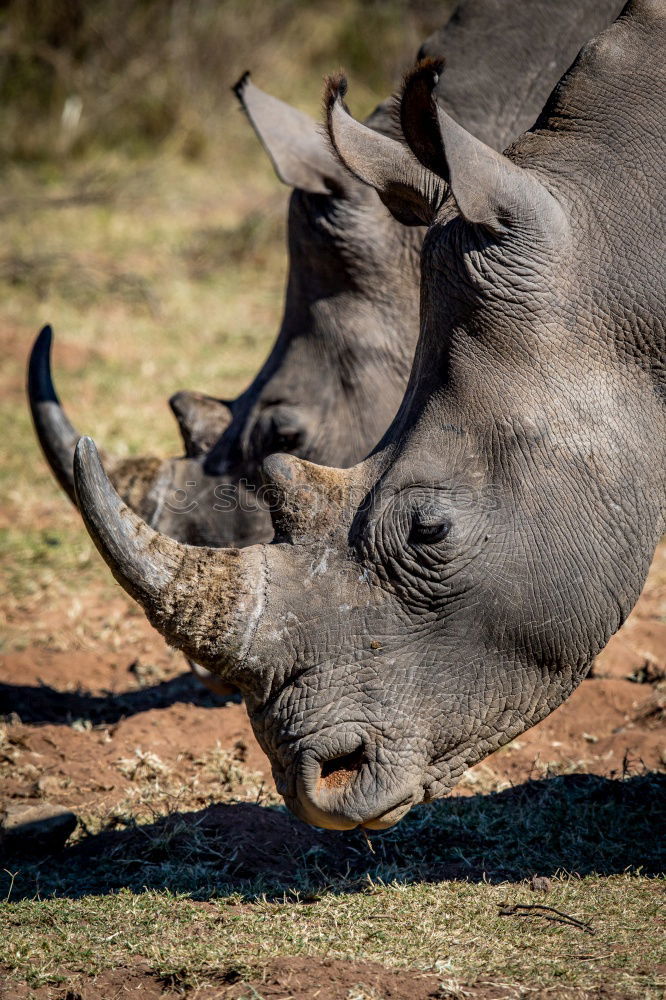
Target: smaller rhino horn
x=201 y=419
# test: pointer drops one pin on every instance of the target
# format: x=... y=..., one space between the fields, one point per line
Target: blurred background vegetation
x=77 y=75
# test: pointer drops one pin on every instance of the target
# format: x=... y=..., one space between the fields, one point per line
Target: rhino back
x=502 y=59
x=599 y=145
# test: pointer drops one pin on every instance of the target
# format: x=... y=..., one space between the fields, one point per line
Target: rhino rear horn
x=295 y=143
x=412 y=193
x=201 y=420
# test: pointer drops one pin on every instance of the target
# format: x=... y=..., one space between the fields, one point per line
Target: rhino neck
x=353 y=301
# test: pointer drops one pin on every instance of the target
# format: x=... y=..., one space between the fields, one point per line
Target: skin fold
x=420 y=609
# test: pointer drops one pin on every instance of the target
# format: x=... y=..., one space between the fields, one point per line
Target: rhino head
x=425 y=606
x=336 y=374
x=334 y=377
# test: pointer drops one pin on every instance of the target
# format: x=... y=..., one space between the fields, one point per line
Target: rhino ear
x=490 y=189
x=294 y=142
x=411 y=193
x=418 y=116
x=201 y=419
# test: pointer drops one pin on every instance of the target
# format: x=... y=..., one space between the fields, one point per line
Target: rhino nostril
x=340 y=771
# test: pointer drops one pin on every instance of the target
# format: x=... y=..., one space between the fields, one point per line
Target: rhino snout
x=342 y=791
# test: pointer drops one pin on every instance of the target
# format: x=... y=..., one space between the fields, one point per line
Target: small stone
x=539 y=883
x=35 y=828
x=48 y=785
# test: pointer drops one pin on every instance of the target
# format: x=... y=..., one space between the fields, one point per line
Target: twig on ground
x=537 y=910
x=12 y=876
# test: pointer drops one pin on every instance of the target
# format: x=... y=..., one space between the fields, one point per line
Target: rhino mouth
x=343 y=792
x=390 y=817
x=334 y=816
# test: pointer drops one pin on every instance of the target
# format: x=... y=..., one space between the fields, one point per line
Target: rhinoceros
x=418 y=610
x=338 y=369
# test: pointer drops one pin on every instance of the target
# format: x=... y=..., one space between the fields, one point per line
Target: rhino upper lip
x=408 y=801
x=295 y=806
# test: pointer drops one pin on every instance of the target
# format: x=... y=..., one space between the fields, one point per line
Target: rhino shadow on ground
x=41 y=704
x=575 y=823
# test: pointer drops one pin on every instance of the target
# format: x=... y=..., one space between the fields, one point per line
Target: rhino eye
x=286 y=439
x=429 y=526
x=285 y=436
x=279 y=429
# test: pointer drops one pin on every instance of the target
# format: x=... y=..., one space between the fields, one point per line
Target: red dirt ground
x=284 y=979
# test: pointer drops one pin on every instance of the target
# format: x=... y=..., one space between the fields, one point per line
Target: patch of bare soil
x=298 y=979
x=303 y=979
x=90 y=719
x=89 y=750
x=285 y=979
x=91 y=709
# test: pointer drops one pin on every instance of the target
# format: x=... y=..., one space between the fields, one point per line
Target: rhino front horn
x=205 y=602
x=56 y=435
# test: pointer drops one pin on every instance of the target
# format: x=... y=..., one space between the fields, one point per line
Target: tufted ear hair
x=295 y=143
x=411 y=193
x=489 y=188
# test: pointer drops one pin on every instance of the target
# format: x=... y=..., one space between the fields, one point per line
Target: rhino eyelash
x=429 y=534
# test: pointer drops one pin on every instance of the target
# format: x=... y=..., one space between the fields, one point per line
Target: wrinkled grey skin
x=426 y=606
x=338 y=369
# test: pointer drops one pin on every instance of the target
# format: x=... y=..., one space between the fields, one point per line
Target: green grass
x=457 y=930
x=429 y=897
